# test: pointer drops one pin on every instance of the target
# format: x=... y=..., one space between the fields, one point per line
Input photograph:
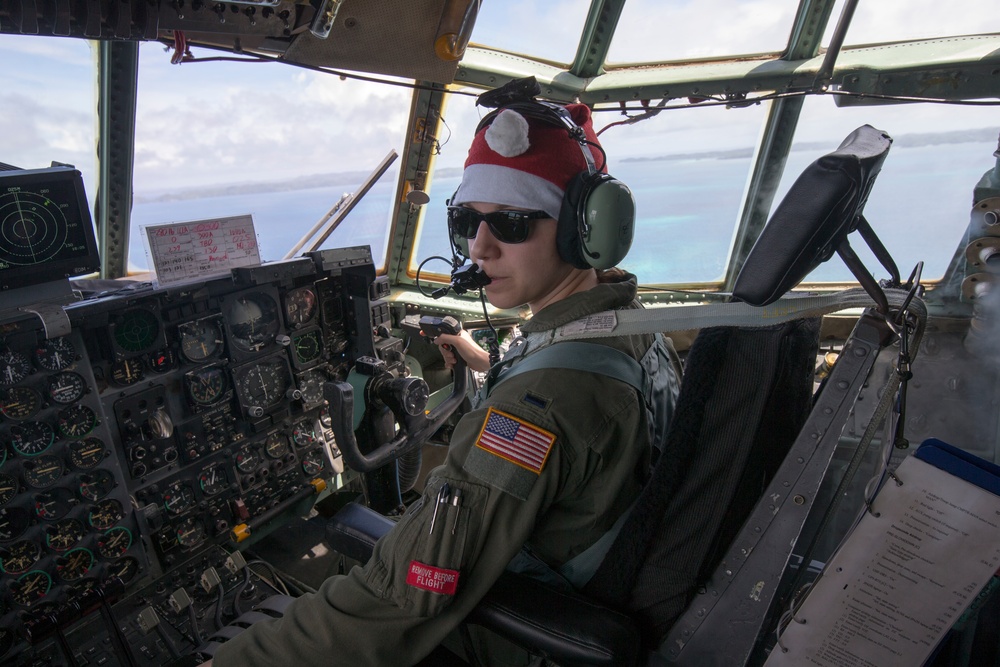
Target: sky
x=219 y=123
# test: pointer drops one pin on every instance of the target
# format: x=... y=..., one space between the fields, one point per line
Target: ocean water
x=687 y=210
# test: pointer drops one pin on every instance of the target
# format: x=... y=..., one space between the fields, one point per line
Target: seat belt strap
x=589 y=357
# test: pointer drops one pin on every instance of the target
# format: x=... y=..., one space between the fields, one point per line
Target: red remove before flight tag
x=433 y=579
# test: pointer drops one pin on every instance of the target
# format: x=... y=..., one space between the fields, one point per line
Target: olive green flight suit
x=584 y=455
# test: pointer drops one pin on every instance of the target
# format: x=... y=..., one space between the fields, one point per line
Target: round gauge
x=86 y=453
x=74 y=564
x=312 y=463
x=253 y=321
x=63 y=535
x=95 y=485
x=83 y=587
x=66 y=388
x=308 y=346
x=115 y=542
x=54 y=504
x=14 y=367
x=201 y=340
x=30 y=587
x=124 y=568
x=126 y=372
x=136 y=330
x=178 y=498
x=19 y=403
x=276 y=445
x=311 y=386
x=190 y=533
x=213 y=480
x=13 y=522
x=304 y=433
x=43 y=472
x=18 y=557
x=300 y=306
x=31 y=438
x=262 y=385
x=55 y=354
x=76 y=421
x=206 y=385
x=105 y=514
x=247 y=459
x=162 y=361
x=8 y=488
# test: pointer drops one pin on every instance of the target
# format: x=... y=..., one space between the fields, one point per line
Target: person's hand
x=206 y=664
x=475 y=357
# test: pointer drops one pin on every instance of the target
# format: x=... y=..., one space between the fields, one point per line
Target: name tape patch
x=515 y=440
x=433 y=579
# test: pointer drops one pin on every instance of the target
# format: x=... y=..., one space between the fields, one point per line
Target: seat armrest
x=354 y=530
x=566 y=627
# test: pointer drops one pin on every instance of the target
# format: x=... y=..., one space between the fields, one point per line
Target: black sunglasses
x=507 y=226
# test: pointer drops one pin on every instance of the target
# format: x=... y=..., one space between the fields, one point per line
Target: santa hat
x=525 y=162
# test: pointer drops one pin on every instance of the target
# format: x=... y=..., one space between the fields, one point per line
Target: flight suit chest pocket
x=429 y=573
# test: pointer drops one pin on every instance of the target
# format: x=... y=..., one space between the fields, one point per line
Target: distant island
x=353 y=179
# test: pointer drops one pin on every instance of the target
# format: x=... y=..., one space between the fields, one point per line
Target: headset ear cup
x=596 y=221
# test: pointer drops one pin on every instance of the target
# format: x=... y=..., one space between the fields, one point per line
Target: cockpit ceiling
x=396 y=38
x=388 y=37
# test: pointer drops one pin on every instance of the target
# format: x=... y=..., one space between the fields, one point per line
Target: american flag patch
x=515 y=440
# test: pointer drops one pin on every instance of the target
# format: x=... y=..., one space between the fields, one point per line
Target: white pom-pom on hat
x=508 y=134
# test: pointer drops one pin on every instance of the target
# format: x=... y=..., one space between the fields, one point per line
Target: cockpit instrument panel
x=46 y=231
x=161 y=427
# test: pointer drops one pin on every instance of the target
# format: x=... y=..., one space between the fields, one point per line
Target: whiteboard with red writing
x=185 y=251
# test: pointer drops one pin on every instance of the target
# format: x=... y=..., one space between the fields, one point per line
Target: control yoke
x=406 y=397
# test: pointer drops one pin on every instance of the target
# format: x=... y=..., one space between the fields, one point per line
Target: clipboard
x=914 y=563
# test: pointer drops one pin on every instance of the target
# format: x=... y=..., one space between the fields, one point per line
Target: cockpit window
x=48 y=106
x=549 y=30
x=922 y=199
x=655 y=31
x=686 y=168
x=917 y=19
x=218 y=139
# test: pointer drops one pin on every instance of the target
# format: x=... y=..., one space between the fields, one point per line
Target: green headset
x=597 y=215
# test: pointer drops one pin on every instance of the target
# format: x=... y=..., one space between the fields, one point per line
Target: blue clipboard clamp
x=961 y=464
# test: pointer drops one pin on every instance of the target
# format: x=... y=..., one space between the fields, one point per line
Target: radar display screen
x=46 y=232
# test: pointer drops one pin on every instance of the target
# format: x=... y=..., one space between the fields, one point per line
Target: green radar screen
x=46 y=232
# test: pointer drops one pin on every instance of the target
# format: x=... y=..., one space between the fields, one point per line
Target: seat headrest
x=822 y=207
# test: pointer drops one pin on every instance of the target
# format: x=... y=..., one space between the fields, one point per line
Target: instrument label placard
x=199 y=249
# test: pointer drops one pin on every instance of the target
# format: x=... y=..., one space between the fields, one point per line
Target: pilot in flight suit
x=548 y=461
